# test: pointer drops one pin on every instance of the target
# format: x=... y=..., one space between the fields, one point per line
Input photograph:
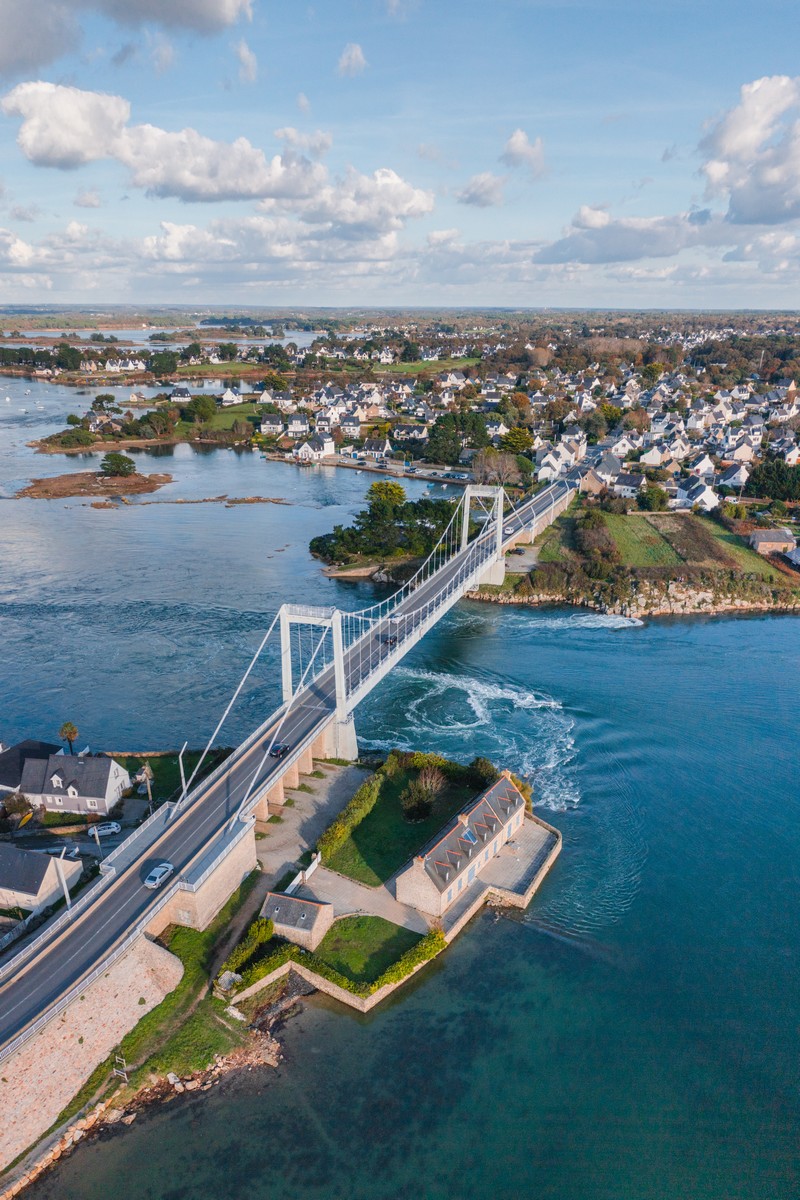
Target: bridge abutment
x=339 y=740
x=495 y=575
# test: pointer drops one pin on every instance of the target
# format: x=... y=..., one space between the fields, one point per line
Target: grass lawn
x=385 y=840
x=640 y=543
x=550 y=543
x=363 y=947
x=166 y=772
x=223 y=419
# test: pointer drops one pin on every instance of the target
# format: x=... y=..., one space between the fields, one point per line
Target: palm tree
x=146 y=776
x=69 y=733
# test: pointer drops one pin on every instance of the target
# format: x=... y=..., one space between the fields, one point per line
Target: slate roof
x=469 y=832
x=292 y=911
x=13 y=760
x=88 y=774
x=22 y=870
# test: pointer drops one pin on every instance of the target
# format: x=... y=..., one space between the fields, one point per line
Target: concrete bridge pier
x=271 y=802
x=338 y=740
x=496 y=574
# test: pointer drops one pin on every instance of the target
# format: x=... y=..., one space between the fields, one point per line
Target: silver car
x=159 y=875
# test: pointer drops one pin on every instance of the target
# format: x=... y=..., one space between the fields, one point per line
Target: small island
x=117 y=477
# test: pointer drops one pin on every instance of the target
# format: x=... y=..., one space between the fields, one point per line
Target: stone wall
x=198 y=909
x=41 y=1078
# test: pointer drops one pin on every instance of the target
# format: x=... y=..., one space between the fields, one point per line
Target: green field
x=745 y=559
x=551 y=543
x=223 y=419
x=384 y=840
x=414 y=368
x=363 y=947
x=639 y=543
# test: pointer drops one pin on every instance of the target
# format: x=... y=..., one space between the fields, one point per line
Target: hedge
x=259 y=933
x=352 y=815
x=425 y=949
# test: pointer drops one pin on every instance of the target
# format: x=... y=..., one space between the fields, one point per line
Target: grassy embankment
x=185 y=1031
x=166 y=780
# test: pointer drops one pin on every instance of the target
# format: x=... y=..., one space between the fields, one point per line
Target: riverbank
x=93 y=484
x=676 y=600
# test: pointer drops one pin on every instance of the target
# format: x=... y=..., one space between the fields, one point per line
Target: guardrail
x=66 y=918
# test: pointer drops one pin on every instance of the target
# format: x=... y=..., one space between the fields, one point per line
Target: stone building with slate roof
x=304 y=922
x=436 y=877
x=29 y=879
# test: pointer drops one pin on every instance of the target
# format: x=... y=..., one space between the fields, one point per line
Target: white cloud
x=27 y=43
x=22 y=213
x=64 y=126
x=248 y=63
x=752 y=153
x=589 y=217
x=315 y=144
x=520 y=151
x=351 y=61
x=33 y=36
x=87 y=198
x=162 y=52
x=482 y=191
x=303 y=102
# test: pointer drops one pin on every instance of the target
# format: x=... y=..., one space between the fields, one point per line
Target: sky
x=514 y=153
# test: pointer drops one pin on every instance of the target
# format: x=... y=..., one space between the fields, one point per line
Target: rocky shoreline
x=674 y=601
x=261 y=1049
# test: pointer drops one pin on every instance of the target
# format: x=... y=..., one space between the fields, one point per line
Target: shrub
x=431 y=782
x=483 y=773
x=352 y=815
x=260 y=932
x=415 y=802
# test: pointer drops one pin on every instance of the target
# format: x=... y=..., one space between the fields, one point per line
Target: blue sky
x=400 y=152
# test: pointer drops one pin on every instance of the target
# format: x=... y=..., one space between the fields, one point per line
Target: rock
x=113 y=1115
x=131 y=1117
x=173 y=1078
x=233 y=1011
x=179 y=1087
x=78 y=1134
x=193 y=1085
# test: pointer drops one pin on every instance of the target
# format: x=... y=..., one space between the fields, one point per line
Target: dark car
x=518 y=550
x=279 y=749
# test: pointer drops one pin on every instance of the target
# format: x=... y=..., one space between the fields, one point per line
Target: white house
x=316 y=448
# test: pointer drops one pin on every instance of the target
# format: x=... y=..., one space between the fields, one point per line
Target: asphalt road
x=79 y=947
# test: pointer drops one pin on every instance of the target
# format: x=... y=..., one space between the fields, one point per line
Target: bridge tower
x=339 y=739
x=496 y=572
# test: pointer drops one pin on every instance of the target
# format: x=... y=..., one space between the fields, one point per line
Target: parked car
x=518 y=550
x=279 y=749
x=105 y=828
x=159 y=875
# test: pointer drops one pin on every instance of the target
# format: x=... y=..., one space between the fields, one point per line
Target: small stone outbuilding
x=304 y=922
x=772 y=541
x=29 y=879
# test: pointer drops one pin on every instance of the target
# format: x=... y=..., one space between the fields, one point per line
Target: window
x=449 y=895
x=471 y=875
x=495 y=846
x=91 y=804
x=486 y=856
x=459 y=884
x=58 y=799
x=508 y=831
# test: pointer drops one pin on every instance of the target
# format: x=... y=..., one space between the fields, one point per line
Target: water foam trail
x=570 y=621
x=525 y=730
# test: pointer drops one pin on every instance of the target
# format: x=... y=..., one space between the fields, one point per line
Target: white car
x=159 y=875
x=105 y=828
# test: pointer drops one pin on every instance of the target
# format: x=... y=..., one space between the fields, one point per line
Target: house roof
x=22 y=870
x=87 y=773
x=761 y=537
x=13 y=760
x=292 y=911
x=452 y=850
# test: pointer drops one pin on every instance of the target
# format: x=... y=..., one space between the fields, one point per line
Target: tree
x=517 y=440
x=165 y=362
x=193 y=350
x=146 y=776
x=117 y=466
x=653 y=498
x=201 y=408
x=444 y=442
x=69 y=733
x=73 y=420
x=228 y=351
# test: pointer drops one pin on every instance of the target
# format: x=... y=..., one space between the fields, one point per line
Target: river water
x=633 y=1036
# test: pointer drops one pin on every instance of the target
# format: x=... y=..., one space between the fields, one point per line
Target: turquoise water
x=633 y=1036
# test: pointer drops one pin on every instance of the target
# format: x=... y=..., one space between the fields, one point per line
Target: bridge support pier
x=338 y=741
x=496 y=574
x=270 y=802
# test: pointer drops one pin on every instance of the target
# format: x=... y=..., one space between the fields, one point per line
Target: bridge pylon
x=496 y=571
x=339 y=739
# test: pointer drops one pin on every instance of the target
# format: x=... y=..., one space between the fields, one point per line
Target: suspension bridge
x=329 y=661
